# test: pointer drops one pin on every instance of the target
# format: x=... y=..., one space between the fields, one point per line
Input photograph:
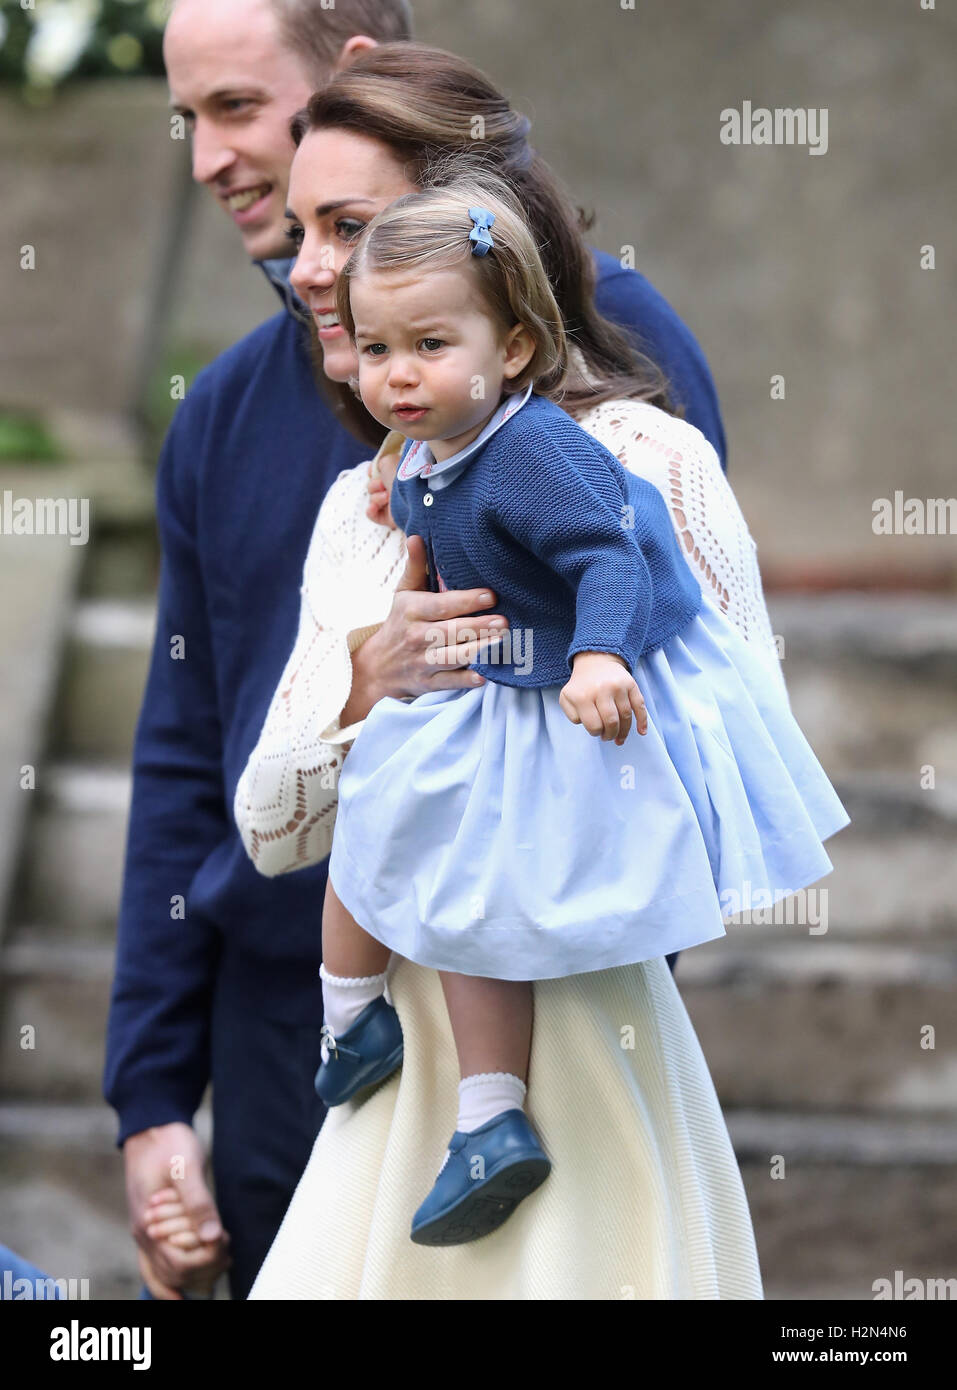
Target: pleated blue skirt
x=480 y=831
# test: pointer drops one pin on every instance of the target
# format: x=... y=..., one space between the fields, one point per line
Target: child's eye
x=295 y=233
x=373 y=349
x=432 y=344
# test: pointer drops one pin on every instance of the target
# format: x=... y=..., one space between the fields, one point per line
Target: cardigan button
x=427 y=500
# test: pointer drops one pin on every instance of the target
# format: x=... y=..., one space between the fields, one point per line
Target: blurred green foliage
x=25 y=439
x=55 y=41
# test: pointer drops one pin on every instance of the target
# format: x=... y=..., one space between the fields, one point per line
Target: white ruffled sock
x=343 y=999
x=487 y=1094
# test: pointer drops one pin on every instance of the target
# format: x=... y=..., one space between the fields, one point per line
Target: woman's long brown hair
x=435 y=110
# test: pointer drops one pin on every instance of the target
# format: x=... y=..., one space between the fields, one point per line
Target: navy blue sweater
x=538 y=515
x=247 y=462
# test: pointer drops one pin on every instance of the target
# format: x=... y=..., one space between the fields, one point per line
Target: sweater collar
x=419 y=461
x=277 y=272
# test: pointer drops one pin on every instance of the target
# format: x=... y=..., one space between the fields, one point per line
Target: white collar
x=420 y=461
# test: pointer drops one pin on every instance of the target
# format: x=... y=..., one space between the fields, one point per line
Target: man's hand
x=171 y=1156
x=602 y=695
x=424 y=643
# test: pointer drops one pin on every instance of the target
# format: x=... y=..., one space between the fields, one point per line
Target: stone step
x=72 y=867
x=887 y=884
x=53 y=1012
x=61 y=1194
x=883 y=719
x=872 y=682
x=879 y=800
x=804 y=1021
x=829 y=1231
x=795 y=1020
x=105 y=668
x=912 y=632
x=815 y=1181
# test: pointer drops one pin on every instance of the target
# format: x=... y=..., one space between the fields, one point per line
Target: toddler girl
x=479 y=831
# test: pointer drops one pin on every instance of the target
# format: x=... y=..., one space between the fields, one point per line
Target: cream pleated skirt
x=645 y=1198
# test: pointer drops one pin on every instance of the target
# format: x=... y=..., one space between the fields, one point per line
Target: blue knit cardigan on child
x=581 y=553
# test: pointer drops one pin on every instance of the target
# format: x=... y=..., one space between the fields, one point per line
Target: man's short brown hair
x=317 y=32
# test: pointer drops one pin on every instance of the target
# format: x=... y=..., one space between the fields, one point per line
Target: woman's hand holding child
x=602 y=695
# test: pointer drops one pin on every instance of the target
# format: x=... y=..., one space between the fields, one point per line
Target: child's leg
x=492 y=1025
x=353 y=969
x=346 y=948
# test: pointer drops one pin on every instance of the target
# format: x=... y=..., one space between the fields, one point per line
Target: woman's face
x=338 y=182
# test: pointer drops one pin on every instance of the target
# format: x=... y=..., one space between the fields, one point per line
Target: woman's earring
x=354 y=385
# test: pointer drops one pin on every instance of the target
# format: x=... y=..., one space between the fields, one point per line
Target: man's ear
x=359 y=43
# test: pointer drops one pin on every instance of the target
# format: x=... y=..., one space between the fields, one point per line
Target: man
x=217 y=967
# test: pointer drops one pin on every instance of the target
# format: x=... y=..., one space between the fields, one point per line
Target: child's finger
x=162 y=1230
x=608 y=713
x=184 y=1240
x=165 y=1211
x=568 y=706
x=624 y=718
x=638 y=705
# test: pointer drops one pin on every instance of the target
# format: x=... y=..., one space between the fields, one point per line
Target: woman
x=667 y=1217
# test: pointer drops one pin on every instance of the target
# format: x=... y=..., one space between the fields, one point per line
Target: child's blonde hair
x=429 y=230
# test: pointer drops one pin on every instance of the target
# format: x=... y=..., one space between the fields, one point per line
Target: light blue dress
x=480 y=831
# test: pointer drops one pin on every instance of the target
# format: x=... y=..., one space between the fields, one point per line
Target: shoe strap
x=338 y=1049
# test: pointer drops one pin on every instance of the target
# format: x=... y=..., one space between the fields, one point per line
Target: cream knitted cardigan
x=285 y=802
x=645 y=1199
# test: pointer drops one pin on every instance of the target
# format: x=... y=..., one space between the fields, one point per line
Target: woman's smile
x=327 y=324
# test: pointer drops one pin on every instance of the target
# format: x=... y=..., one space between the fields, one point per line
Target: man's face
x=239 y=87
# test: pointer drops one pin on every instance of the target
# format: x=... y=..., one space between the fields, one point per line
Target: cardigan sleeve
x=285 y=802
x=584 y=537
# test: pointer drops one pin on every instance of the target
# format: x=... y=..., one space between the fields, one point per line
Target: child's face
x=427 y=341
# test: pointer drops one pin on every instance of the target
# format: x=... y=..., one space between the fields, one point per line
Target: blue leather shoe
x=367 y=1052
x=463 y=1206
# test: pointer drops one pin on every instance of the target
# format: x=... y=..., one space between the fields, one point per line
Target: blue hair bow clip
x=480 y=236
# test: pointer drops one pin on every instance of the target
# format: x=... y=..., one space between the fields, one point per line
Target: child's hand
x=167 y=1223
x=381 y=478
x=602 y=695
x=166 y=1219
